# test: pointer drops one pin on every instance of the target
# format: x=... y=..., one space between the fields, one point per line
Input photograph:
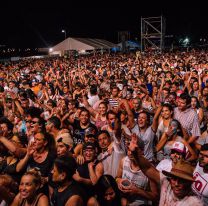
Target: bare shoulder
x=75 y=200
x=43 y=201
x=17 y=200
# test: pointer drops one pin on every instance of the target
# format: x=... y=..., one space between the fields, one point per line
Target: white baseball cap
x=179 y=147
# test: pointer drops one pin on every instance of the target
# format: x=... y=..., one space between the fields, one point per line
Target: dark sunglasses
x=32 y=122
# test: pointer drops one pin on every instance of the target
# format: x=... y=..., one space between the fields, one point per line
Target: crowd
x=105 y=130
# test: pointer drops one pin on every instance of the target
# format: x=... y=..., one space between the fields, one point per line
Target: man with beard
x=200 y=186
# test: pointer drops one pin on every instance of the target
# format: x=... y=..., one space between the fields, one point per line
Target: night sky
x=39 y=24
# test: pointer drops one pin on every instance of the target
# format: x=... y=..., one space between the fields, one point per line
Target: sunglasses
x=32 y=122
x=176 y=152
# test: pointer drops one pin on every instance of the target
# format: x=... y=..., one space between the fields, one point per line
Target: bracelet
x=116 y=179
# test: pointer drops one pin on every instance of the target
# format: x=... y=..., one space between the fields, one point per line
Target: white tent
x=80 y=44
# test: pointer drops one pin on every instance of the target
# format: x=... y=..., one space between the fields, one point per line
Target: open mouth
x=24 y=194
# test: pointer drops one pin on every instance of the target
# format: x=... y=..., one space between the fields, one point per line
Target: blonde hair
x=35 y=173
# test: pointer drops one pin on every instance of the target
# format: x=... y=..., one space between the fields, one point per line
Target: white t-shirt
x=111 y=161
x=165 y=164
x=200 y=186
x=146 y=140
x=93 y=99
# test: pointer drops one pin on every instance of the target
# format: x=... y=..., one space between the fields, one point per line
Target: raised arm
x=95 y=172
x=23 y=162
x=147 y=168
x=156 y=119
x=18 y=152
x=17 y=103
x=88 y=107
x=187 y=84
x=162 y=142
x=193 y=155
x=124 y=102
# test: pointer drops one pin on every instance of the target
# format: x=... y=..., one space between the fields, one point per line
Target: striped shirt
x=189 y=121
x=113 y=102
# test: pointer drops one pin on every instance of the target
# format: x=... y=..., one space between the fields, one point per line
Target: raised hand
x=80 y=159
x=133 y=143
x=91 y=165
x=76 y=176
x=12 y=95
x=30 y=149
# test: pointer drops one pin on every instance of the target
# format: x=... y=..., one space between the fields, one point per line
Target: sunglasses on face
x=176 y=152
x=32 y=122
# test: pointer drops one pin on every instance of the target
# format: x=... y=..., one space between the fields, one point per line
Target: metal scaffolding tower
x=153 y=33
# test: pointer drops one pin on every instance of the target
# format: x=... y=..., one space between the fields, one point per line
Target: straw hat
x=181 y=169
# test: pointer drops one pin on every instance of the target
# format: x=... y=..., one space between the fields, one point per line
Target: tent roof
x=83 y=44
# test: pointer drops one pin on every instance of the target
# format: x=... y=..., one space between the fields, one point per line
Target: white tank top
x=138 y=179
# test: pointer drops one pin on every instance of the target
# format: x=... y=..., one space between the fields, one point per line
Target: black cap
x=90 y=131
x=89 y=145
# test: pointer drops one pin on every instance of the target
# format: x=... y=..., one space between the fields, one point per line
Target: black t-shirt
x=84 y=172
x=45 y=166
x=10 y=169
x=61 y=198
x=79 y=133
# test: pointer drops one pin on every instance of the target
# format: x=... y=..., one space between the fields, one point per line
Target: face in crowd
x=89 y=154
x=176 y=156
x=109 y=195
x=84 y=117
x=203 y=159
x=115 y=92
x=28 y=187
x=166 y=112
x=136 y=104
x=142 y=120
x=35 y=125
x=104 y=141
x=180 y=186
x=194 y=102
x=182 y=105
x=111 y=120
x=102 y=109
x=62 y=149
x=39 y=141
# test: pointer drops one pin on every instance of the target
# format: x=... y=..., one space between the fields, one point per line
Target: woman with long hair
x=164 y=120
x=100 y=116
x=195 y=105
x=108 y=193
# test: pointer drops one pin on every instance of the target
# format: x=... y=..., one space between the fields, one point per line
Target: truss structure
x=153 y=33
